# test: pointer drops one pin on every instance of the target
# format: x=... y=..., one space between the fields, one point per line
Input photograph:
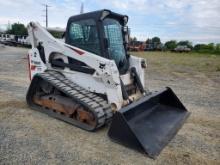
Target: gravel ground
x=29 y=137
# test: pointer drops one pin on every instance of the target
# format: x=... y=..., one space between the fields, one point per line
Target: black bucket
x=150 y=123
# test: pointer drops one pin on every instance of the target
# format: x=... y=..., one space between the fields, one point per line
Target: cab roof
x=100 y=15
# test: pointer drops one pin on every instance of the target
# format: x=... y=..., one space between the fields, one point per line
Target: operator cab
x=103 y=33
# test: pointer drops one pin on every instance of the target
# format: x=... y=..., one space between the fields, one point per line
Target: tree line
x=200 y=48
x=20 y=29
x=17 y=29
x=172 y=44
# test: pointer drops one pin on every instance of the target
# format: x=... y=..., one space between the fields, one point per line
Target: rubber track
x=92 y=102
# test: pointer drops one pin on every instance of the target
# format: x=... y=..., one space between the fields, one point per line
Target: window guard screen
x=83 y=34
x=113 y=32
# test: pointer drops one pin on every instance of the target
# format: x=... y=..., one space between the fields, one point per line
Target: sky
x=194 y=20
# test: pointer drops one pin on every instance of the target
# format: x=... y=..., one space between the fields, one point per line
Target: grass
x=182 y=66
x=181 y=62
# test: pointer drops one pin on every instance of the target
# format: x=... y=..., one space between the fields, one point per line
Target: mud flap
x=150 y=123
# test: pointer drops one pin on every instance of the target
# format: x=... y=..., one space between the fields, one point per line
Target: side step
x=150 y=123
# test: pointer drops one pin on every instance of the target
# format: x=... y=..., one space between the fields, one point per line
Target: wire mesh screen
x=113 y=35
x=113 y=32
x=83 y=34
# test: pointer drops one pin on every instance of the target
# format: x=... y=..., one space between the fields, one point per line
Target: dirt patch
x=17 y=104
x=30 y=137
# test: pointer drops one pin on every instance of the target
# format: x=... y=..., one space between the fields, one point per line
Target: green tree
x=17 y=29
x=134 y=39
x=170 y=45
x=156 y=40
x=156 y=43
x=198 y=47
x=217 y=47
x=185 y=43
x=211 y=46
x=207 y=48
x=148 y=41
x=56 y=34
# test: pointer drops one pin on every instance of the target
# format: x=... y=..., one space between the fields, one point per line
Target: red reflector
x=33 y=67
x=78 y=51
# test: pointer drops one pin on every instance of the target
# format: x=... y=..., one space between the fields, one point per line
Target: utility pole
x=82 y=8
x=46 y=13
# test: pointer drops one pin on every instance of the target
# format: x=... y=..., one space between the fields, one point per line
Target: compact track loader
x=91 y=80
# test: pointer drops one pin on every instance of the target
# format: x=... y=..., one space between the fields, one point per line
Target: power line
x=46 y=13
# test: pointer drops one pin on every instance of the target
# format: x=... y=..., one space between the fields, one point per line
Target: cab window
x=83 y=34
